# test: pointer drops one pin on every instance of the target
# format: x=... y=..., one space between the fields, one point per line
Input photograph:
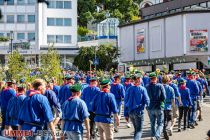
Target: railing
x=87 y=38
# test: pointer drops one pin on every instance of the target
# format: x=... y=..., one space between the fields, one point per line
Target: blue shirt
x=35 y=109
x=194 y=89
x=185 y=96
x=6 y=95
x=56 y=89
x=157 y=95
x=13 y=110
x=64 y=93
x=118 y=91
x=169 y=97
x=74 y=113
x=176 y=92
x=146 y=80
x=104 y=105
x=126 y=87
x=136 y=98
x=53 y=100
x=88 y=94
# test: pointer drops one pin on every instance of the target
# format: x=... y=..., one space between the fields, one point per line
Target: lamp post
x=11 y=39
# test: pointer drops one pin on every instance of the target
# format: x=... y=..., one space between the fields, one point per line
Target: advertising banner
x=140 y=41
x=199 y=40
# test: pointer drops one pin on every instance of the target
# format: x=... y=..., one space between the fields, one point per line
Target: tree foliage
x=106 y=54
x=16 y=66
x=50 y=64
x=124 y=10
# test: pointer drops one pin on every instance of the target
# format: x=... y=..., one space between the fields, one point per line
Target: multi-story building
x=32 y=27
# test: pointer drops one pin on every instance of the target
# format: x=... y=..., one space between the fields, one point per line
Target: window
x=31 y=36
x=67 y=22
x=50 y=21
x=10 y=2
x=20 y=2
x=2 y=2
x=59 y=4
x=20 y=18
x=50 y=38
x=31 y=2
x=67 y=5
x=1 y=34
x=59 y=39
x=31 y=18
x=20 y=36
x=10 y=18
x=8 y=35
x=51 y=4
x=67 y=39
x=59 y=22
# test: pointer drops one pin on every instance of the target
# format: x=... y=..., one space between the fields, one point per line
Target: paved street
x=199 y=133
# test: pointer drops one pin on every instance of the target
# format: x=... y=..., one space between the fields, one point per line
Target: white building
x=41 y=26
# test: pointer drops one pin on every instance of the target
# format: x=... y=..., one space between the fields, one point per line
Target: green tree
x=50 y=64
x=106 y=54
x=16 y=66
x=82 y=31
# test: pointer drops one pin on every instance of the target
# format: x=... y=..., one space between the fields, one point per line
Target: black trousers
x=167 y=119
x=92 y=125
x=183 y=110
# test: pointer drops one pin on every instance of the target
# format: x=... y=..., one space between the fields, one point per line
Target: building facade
x=175 y=38
x=33 y=27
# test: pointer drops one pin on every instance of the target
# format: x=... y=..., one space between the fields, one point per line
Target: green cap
x=21 y=86
x=116 y=76
x=93 y=79
x=182 y=80
x=76 y=88
x=105 y=82
x=68 y=76
x=152 y=75
x=127 y=76
x=138 y=75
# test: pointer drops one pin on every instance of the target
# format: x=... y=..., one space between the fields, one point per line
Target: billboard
x=140 y=41
x=199 y=40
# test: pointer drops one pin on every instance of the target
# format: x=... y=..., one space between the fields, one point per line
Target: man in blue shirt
x=194 y=93
x=118 y=90
x=87 y=95
x=104 y=106
x=36 y=111
x=6 y=94
x=157 y=95
x=75 y=112
x=169 y=103
x=65 y=92
x=186 y=103
x=135 y=100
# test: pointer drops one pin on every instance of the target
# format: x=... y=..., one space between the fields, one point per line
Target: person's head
x=93 y=81
x=76 y=90
x=165 y=79
x=21 y=88
x=137 y=79
x=182 y=82
x=153 y=77
x=50 y=85
x=69 y=78
x=29 y=86
x=10 y=84
x=127 y=78
x=105 y=85
x=39 y=85
x=117 y=78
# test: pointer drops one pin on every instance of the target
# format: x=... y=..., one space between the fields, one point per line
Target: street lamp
x=11 y=39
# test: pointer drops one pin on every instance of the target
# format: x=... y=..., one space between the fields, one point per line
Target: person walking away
x=104 y=106
x=157 y=95
x=75 y=113
x=136 y=99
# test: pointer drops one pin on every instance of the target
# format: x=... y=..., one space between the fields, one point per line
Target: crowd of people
x=98 y=103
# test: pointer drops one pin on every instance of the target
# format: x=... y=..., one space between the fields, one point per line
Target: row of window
x=59 y=22
x=20 y=18
x=58 y=38
x=18 y=2
x=60 y=4
x=22 y=36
